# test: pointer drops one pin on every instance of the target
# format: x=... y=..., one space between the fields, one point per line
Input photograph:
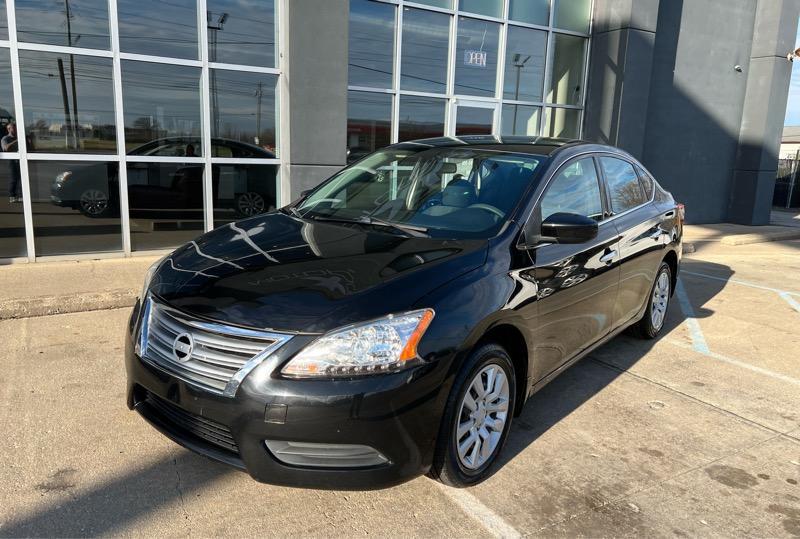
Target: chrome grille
x=217 y=357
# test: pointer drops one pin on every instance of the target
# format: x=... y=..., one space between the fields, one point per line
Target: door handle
x=609 y=257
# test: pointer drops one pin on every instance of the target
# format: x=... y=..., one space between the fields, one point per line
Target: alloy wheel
x=660 y=300
x=482 y=417
x=94 y=201
x=250 y=204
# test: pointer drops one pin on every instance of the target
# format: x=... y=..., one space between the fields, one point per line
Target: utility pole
x=73 y=124
x=519 y=63
x=212 y=53
x=64 y=97
x=259 y=93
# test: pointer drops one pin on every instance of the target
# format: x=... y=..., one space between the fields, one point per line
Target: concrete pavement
x=697 y=433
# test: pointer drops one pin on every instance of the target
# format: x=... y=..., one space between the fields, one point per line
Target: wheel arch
x=671 y=258
x=513 y=341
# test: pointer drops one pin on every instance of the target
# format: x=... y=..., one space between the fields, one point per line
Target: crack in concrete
x=179 y=490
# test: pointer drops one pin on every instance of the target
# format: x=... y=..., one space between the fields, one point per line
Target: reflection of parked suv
x=247 y=189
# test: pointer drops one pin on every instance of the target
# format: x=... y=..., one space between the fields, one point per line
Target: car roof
x=530 y=145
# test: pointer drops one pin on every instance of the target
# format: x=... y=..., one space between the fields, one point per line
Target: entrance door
x=472 y=117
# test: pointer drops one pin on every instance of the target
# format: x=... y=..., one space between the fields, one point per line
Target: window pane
x=476 y=57
x=243 y=191
x=369 y=123
x=492 y=8
x=474 y=121
x=3 y=20
x=371 y=44
x=158 y=28
x=75 y=207
x=520 y=120
x=425 y=45
x=623 y=184
x=562 y=123
x=243 y=113
x=6 y=90
x=160 y=101
x=69 y=102
x=166 y=204
x=73 y=23
x=566 y=85
x=575 y=190
x=647 y=183
x=241 y=32
x=525 y=52
x=530 y=11
x=12 y=223
x=573 y=15
x=447 y=4
x=420 y=117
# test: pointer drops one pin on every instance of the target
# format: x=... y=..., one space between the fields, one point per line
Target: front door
x=576 y=283
x=471 y=117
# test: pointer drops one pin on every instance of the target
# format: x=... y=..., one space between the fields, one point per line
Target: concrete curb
x=746 y=239
x=70 y=303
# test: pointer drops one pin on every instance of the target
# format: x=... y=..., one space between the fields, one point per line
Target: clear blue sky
x=793 y=107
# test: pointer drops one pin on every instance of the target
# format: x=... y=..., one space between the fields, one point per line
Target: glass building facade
x=134 y=125
x=430 y=68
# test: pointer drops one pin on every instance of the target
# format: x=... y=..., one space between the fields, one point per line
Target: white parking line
x=475 y=509
x=695 y=332
x=739 y=281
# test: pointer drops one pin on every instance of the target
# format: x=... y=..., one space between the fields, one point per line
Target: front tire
x=477 y=418
x=657 y=304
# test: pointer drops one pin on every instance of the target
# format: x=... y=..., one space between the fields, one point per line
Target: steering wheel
x=488 y=207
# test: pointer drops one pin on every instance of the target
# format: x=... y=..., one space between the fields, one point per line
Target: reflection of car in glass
x=414 y=301
x=172 y=190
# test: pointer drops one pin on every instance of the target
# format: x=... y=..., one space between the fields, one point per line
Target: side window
x=623 y=184
x=574 y=190
x=647 y=183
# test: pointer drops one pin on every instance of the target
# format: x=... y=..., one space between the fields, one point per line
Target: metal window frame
x=120 y=156
x=450 y=96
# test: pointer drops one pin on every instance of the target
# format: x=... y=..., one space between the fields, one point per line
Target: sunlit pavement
x=695 y=434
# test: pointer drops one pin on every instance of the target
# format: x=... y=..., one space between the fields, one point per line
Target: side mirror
x=568 y=228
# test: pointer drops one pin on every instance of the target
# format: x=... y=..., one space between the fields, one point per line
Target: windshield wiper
x=413 y=230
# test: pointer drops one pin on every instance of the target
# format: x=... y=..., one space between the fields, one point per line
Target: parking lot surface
x=694 y=434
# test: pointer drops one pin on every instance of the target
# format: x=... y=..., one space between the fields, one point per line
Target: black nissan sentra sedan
x=394 y=320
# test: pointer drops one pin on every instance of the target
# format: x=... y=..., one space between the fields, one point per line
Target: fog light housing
x=325 y=455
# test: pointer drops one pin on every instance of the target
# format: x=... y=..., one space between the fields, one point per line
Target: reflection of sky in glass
x=520 y=120
x=3 y=20
x=475 y=35
x=529 y=48
x=45 y=21
x=6 y=91
x=371 y=44
x=492 y=8
x=238 y=105
x=424 y=53
x=530 y=11
x=43 y=101
x=247 y=35
x=158 y=27
x=160 y=100
x=421 y=117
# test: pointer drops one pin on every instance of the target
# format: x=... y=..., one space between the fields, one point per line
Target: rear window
x=623 y=184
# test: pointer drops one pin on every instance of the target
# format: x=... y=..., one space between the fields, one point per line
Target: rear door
x=642 y=238
x=576 y=283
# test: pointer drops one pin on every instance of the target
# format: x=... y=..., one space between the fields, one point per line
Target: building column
x=769 y=75
x=315 y=81
x=620 y=70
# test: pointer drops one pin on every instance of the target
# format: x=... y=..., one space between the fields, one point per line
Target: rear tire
x=477 y=418
x=657 y=304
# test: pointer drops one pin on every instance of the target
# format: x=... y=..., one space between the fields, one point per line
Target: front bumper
x=396 y=414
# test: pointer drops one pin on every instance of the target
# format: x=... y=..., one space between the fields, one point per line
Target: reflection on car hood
x=279 y=272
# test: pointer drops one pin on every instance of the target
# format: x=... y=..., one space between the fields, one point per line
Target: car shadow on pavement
x=105 y=509
x=581 y=382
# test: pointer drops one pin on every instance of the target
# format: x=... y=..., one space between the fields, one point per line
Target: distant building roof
x=791 y=134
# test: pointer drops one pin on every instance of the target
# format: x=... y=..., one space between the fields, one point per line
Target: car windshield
x=441 y=192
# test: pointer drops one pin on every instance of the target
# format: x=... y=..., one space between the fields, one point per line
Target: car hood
x=279 y=272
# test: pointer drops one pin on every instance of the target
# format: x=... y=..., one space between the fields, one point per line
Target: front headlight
x=64 y=176
x=384 y=345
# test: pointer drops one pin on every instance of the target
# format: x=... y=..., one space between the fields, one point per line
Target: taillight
x=681 y=212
